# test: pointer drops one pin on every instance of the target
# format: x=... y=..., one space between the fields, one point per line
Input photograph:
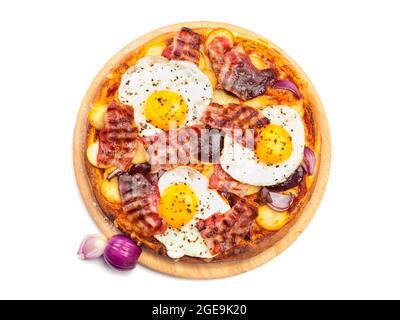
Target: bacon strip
x=223 y=182
x=224 y=231
x=235 y=71
x=233 y=116
x=140 y=200
x=171 y=149
x=185 y=45
x=217 y=50
x=118 y=139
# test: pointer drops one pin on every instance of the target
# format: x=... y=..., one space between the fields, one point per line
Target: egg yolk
x=274 y=145
x=164 y=107
x=178 y=205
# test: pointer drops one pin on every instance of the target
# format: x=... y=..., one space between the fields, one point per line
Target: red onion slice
x=309 y=161
x=279 y=201
x=287 y=85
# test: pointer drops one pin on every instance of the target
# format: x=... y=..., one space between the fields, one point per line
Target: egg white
x=188 y=240
x=242 y=164
x=153 y=73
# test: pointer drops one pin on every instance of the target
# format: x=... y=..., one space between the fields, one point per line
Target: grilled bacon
x=223 y=182
x=118 y=139
x=185 y=45
x=223 y=231
x=233 y=116
x=235 y=71
x=140 y=200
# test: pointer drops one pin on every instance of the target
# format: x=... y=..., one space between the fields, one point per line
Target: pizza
x=202 y=145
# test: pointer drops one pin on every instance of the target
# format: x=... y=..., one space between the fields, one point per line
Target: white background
x=51 y=50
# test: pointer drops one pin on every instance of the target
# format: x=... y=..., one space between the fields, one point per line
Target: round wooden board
x=206 y=270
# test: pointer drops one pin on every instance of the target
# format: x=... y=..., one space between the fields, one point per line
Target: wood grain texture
x=184 y=269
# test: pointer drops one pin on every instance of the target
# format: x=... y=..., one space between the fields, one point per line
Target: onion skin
x=309 y=161
x=122 y=253
x=287 y=84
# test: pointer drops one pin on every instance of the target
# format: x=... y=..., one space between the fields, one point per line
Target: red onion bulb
x=122 y=253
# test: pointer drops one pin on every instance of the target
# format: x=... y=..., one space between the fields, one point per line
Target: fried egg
x=165 y=93
x=276 y=154
x=186 y=198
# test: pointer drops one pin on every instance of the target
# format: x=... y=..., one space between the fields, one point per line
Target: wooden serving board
x=198 y=270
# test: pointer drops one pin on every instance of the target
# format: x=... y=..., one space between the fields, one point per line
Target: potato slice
x=140 y=155
x=258 y=102
x=252 y=190
x=219 y=32
x=96 y=116
x=202 y=62
x=206 y=59
x=270 y=219
x=257 y=61
x=91 y=154
x=108 y=171
x=156 y=49
x=110 y=190
x=221 y=97
x=211 y=76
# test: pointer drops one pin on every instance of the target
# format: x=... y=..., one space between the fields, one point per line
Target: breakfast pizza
x=202 y=145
